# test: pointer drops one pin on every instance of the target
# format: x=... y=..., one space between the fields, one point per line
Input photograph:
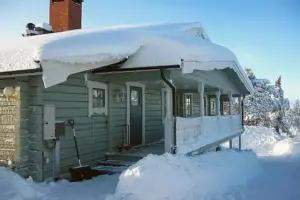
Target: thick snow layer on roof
x=152 y=45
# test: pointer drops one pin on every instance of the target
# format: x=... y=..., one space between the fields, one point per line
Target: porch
x=206 y=113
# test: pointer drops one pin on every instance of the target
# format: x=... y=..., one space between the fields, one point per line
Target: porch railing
x=194 y=133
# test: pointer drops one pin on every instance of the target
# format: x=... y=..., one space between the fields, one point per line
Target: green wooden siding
x=96 y=135
x=117 y=116
x=71 y=102
x=153 y=116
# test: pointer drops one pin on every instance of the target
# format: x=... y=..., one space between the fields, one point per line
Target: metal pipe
x=163 y=77
x=56 y=163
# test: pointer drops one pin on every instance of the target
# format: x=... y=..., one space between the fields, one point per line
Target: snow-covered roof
x=147 y=45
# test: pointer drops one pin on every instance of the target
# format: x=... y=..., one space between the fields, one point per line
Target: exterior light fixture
x=9 y=92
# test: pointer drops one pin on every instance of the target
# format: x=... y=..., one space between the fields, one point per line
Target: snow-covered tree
x=282 y=105
x=267 y=104
x=293 y=116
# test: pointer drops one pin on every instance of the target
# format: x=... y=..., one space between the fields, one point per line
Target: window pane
x=188 y=105
x=135 y=98
x=98 y=98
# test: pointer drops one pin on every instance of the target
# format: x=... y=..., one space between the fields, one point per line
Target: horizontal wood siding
x=71 y=102
x=117 y=116
x=153 y=116
x=14 y=114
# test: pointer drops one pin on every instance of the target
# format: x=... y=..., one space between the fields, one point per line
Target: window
x=188 y=105
x=135 y=98
x=224 y=105
x=97 y=98
x=212 y=110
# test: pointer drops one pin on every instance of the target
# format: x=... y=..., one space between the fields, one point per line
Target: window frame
x=185 y=105
x=97 y=85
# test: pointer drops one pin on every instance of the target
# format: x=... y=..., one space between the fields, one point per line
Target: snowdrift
x=13 y=187
x=264 y=141
x=217 y=175
x=180 y=177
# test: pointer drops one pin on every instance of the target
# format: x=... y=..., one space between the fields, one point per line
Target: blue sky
x=264 y=34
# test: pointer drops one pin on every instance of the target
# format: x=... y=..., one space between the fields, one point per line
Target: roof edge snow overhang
x=242 y=75
x=219 y=65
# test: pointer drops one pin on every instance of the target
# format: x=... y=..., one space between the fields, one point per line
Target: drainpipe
x=163 y=77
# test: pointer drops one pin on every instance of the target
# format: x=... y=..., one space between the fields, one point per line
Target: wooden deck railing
x=197 y=134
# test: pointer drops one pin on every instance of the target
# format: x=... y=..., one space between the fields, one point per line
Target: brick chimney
x=65 y=14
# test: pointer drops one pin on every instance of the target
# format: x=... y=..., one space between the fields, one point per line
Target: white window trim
x=97 y=85
x=143 y=86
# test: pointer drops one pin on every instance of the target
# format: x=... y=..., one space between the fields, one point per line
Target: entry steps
x=109 y=167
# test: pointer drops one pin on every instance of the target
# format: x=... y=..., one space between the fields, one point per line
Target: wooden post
x=207 y=112
x=218 y=107
x=240 y=104
x=201 y=96
x=230 y=102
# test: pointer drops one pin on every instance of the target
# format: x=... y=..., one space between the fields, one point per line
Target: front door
x=136 y=121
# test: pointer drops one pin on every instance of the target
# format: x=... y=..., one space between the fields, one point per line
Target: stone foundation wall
x=9 y=128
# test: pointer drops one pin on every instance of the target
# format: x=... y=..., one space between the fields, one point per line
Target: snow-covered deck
x=193 y=135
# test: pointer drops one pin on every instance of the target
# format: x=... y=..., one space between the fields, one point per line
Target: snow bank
x=264 y=141
x=180 y=177
x=14 y=187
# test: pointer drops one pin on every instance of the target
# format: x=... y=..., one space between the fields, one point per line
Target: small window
x=135 y=98
x=188 y=105
x=212 y=106
x=97 y=98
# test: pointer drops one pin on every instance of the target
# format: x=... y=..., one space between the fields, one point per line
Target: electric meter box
x=49 y=122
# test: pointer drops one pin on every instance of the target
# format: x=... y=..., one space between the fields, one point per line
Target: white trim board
x=143 y=86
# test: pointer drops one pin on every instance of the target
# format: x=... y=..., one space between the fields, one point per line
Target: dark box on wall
x=59 y=128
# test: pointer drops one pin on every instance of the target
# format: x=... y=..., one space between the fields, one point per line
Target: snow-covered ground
x=272 y=174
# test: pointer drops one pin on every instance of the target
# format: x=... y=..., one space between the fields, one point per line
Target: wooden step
x=123 y=157
x=115 y=163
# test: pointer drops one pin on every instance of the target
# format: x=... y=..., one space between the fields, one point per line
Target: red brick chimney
x=65 y=14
